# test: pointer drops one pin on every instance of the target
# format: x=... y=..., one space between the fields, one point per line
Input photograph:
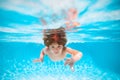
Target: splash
x=68 y=19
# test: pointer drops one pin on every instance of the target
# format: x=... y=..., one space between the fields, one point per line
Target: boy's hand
x=70 y=62
x=37 y=60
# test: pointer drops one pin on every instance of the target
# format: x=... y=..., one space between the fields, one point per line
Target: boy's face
x=55 y=48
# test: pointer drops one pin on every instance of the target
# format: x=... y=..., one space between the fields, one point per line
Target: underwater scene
x=92 y=27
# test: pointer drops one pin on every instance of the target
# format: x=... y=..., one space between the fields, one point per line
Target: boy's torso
x=53 y=56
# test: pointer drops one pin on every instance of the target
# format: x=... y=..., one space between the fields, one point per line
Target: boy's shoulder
x=68 y=48
x=45 y=50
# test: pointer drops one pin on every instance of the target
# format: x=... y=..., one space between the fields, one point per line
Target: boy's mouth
x=56 y=52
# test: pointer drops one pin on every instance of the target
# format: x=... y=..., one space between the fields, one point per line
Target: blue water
x=97 y=37
x=100 y=61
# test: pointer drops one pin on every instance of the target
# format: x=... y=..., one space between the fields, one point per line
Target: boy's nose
x=57 y=48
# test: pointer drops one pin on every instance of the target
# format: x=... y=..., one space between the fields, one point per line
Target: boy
x=55 y=40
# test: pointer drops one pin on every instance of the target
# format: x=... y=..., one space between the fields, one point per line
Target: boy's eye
x=52 y=46
x=59 y=46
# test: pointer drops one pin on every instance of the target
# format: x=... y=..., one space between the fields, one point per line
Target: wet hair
x=55 y=35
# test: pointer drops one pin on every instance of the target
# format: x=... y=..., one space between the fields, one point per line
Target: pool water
x=97 y=37
x=100 y=61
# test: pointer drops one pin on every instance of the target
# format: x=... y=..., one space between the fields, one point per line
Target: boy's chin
x=56 y=53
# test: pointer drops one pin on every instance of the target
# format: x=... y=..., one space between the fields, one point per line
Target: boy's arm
x=40 y=59
x=42 y=55
x=76 y=54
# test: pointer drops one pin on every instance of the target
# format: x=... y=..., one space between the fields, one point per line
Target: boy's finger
x=34 y=60
x=66 y=63
x=72 y=68
x=68 y=60
x=71 y=64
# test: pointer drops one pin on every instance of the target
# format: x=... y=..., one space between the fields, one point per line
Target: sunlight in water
x=85 y=70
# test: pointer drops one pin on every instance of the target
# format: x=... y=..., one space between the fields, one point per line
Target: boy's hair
x=55 y=35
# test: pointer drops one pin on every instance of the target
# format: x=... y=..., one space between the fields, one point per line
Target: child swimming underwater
x=55 y=40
